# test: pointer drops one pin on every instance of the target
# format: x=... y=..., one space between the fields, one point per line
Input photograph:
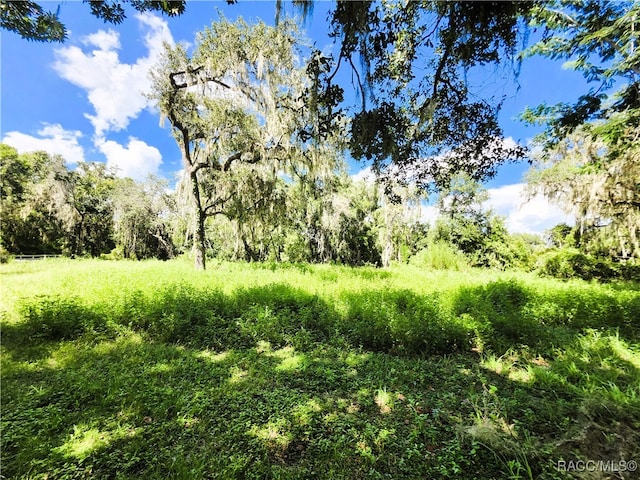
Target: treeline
x=88 y=211
x=48 y=208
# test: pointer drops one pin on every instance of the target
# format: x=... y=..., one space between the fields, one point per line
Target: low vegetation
x=270 y=370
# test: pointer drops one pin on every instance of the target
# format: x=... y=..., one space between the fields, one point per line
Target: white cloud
x=53 y=139
x=533 y=215
x=114 y=89
x=429 y=214
x=103 y=40
x=137 y=160
x=365 y=175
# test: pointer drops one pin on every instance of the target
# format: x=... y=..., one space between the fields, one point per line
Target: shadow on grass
x=272 y=382
x=132 y=408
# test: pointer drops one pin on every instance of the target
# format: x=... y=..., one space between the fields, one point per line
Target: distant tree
x=351 y=225
x=15 y=172
x=47 y=208
x=601 y=190
x=80 y=203
x=23 y=229
x=477 y=232
x=91 y=198
x=141 y=213
x=560 y=236
x=400 y=231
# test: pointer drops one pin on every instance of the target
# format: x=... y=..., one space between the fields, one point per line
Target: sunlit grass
x=153 y=370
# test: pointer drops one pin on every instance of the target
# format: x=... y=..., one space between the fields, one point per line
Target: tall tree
x=236 y=108
x=588 y=160
x=601 y=190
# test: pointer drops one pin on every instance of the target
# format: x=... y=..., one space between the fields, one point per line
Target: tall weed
x=403 y=310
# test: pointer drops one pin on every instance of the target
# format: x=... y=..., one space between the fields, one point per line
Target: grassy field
x=151 y=370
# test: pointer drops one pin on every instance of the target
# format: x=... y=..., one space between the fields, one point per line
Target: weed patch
x=150 y=370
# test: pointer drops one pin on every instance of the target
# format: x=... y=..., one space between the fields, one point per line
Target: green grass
x=152 y=370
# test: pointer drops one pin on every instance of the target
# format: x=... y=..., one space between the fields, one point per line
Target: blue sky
x=83 y=99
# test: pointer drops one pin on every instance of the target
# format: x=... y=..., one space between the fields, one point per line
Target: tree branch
x=189 y=73
x=355 y=70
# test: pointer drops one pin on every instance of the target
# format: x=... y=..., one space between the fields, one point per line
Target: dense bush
x=4 y=255
x=570 y=263
x=440 y=255
x=630 y=270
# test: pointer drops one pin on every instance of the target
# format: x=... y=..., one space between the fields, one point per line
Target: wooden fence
x=33 y=257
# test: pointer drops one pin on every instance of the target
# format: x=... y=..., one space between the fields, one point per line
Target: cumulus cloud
x=103 y=40
x=114 y=89
x=533 y=215
x=137 y=160
x=52 y=139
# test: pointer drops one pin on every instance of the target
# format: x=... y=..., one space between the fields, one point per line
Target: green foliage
x=561 y=235
x=418 y=121
x=571 y=263
x=479 y=234
x=404 y=323
x=600 y=46
x=315 y=370
x=139 y=219
x=55 y=317
x=440 y=255
x=5 y=256
x=49 y=208
x=588 y=162
x=598 y=185
x=29 y=20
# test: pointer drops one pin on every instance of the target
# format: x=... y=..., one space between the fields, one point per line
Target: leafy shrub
x=570 y=263
x=510 y=253
x=57 y=318
x=630 y=270
x=367 y=320
x=295 y=248
x=403 y=322
x=508 y=299
x=5 y=256
x=497 y=313
x=440 y=255
x=277 y=313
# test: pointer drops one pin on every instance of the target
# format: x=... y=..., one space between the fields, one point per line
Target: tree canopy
x=419 y=110
x=588 y=159
x=32 y=22
x=237 y=109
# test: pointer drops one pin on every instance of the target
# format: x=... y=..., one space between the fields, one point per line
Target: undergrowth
x=152 y=370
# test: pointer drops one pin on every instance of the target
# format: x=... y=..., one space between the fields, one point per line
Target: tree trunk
x=199 y=240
